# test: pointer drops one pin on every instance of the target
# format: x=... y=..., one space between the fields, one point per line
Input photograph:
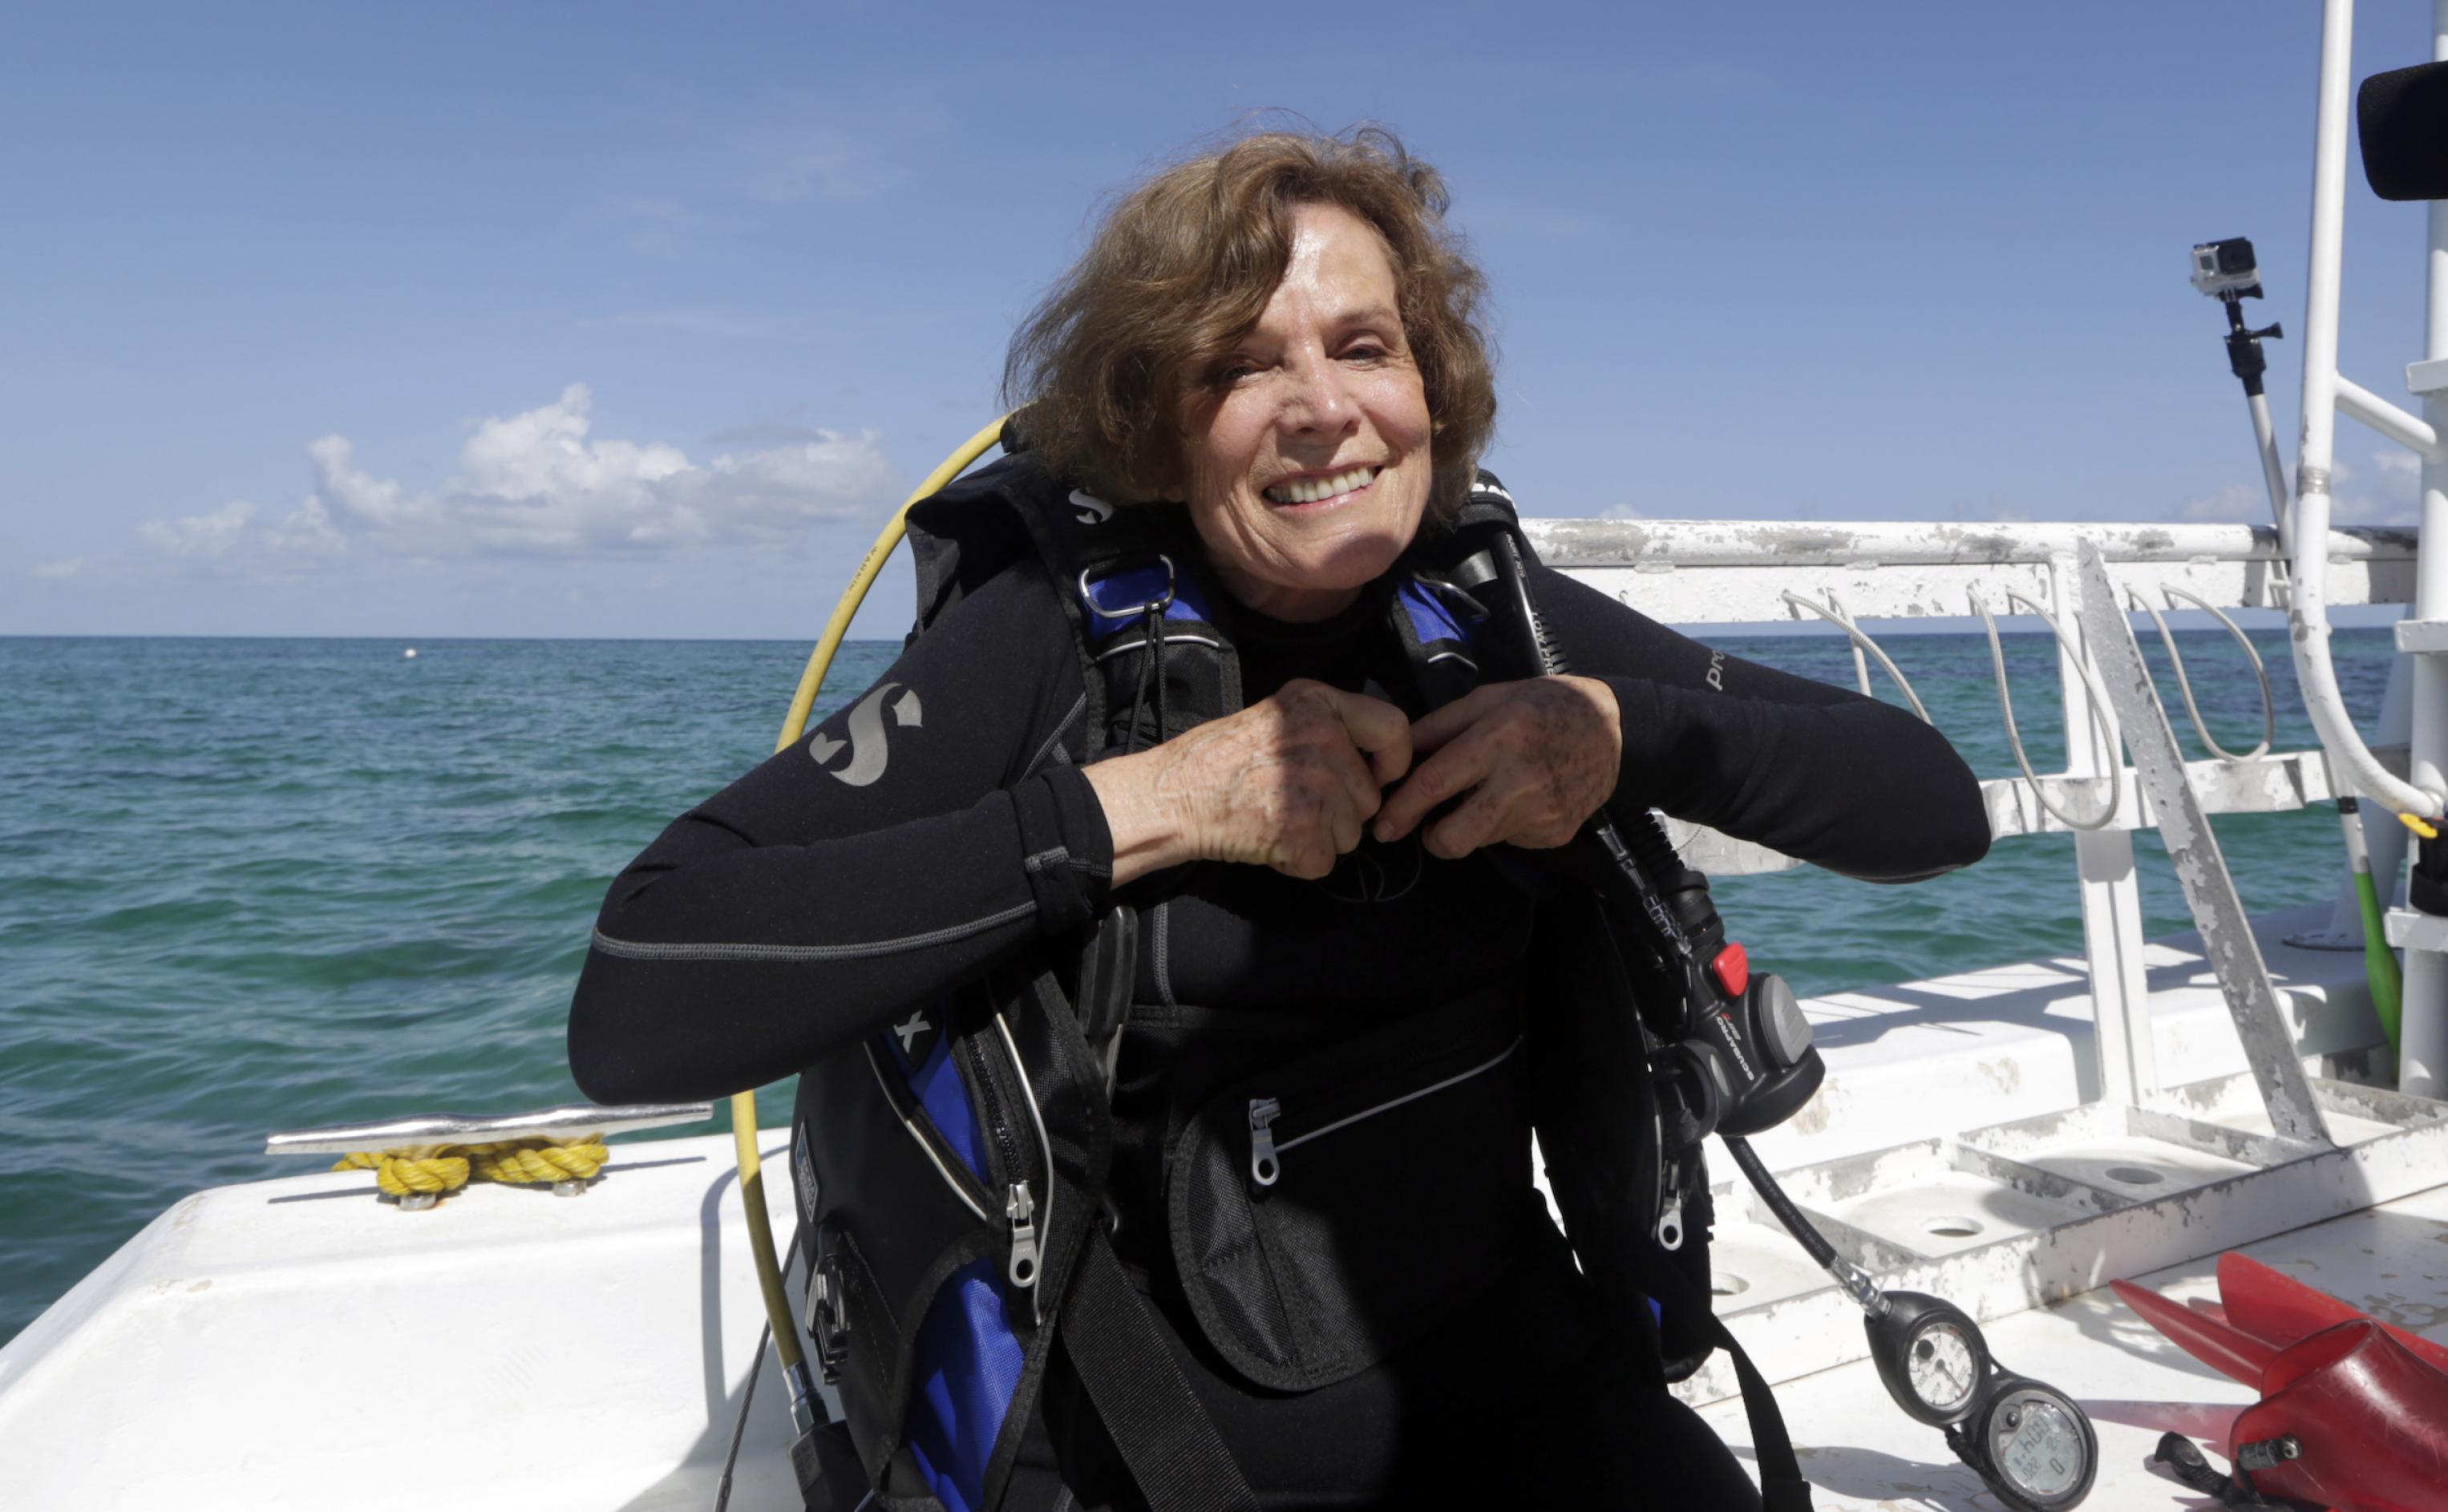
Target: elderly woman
x=1301 y=902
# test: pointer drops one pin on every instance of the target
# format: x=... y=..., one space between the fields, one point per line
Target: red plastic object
x=2277 y=1309
x=2370 y=1414
x=1732 y=969
x=2366 y=1403
x=2227 y=1349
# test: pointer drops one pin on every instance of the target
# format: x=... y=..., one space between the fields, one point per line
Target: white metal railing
x=1687 y=571
x=1727 y=571
x=1720 y=572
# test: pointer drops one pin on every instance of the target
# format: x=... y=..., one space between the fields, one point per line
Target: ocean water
x=249 y=885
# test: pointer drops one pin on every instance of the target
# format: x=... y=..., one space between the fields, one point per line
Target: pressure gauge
x=1942 y=1367
x=2041 y=1449
x=1930 y=1357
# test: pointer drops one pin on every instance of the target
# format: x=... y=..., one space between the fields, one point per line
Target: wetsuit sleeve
x=1817 y=772
x=915 y=838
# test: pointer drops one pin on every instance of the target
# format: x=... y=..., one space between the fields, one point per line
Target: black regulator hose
x=1804 y=1233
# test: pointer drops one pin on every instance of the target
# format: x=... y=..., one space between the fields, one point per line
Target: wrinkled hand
x=1536 y=757
x=1287 y=782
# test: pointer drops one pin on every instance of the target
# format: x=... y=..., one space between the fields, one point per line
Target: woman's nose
x=1319 y=397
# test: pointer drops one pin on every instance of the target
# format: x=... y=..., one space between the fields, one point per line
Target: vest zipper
x=1264 y=1168
x=1019 y=1207
x=965 y=1186
x=1267 y=1152
x=1021 y=1210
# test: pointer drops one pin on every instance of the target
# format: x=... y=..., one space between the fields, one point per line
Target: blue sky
x=636 y=320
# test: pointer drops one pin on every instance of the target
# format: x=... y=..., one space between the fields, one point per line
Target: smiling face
x=1307 y=457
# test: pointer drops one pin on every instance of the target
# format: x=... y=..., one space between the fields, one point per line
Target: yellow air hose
x=743 y=1104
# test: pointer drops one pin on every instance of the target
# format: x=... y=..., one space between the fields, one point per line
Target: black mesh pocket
x=1324 y=1215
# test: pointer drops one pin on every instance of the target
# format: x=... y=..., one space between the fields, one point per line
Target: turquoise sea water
x=249 y=885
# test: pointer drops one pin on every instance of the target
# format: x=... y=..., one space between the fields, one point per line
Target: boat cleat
x=420 y=1159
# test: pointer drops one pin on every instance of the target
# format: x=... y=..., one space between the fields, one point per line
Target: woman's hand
x=1536 y=757
x=1287 y=782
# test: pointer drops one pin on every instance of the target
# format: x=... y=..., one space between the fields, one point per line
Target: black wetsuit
x=798 y=911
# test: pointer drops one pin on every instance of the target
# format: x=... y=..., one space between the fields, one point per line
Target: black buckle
x=828 y=1324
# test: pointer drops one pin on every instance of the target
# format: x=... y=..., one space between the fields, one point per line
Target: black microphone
x=2404 y=117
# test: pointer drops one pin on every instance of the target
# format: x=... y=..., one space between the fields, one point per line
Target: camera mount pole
x=2373 y=852
x=2246 y=360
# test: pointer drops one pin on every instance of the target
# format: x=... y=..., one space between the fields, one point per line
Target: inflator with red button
x=1747 y=1063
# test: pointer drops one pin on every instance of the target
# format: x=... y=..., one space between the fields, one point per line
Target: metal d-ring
x=2098 y=713
x=1834 y=614
x=1156 y=605
x=2185 y=684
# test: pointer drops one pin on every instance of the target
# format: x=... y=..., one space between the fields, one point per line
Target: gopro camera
x=2225 y=270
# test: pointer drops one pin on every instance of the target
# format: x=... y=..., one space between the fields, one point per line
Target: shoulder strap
x=1781 y=1484
x=1131 y=587
x=967 y=532
x=1154 y=1419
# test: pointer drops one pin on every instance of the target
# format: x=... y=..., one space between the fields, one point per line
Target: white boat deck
x=2013 y=1042
x=294 y=1343
x=1860 y=1453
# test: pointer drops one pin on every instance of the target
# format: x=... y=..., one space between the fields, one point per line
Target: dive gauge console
x=2030 y=1441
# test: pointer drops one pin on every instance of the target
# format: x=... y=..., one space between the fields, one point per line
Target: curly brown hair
x=1107 y=368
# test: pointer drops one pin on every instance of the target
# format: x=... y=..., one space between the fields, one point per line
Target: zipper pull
x=1670 y=1222
x=1264 y=1167
x=1021 y=1210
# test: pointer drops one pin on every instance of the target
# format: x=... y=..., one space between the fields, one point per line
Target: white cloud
x=70 y=567
x=538 y=484
x=1620 y=511
x=2238 y=502
x=307 y=533
x=1991 y=510
x=706 y=180
x=2362 y=508
x=205 y=537
x=2356 y=500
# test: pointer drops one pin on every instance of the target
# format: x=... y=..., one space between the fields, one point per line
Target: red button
x=1732 y=969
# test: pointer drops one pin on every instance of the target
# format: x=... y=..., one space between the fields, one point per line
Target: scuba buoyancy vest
x=952 y=1172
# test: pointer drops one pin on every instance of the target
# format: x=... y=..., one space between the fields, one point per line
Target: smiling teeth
x=1313 y=490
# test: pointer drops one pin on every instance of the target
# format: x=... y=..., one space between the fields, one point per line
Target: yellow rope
x=530 y=1160
x=441 y=1169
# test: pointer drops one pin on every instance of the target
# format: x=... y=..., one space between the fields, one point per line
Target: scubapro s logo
x=868 y=751
x=1092 y=510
